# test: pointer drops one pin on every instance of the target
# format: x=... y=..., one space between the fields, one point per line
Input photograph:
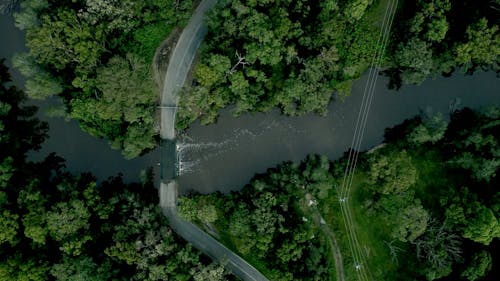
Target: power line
x=359 y=258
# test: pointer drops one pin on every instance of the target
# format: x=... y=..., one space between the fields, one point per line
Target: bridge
x=175 y=77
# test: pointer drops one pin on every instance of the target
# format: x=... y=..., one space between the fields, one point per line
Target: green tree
x=213 y=272
x=477 y=144
x=81 y=269
x=17 y=268
x=437 y=29
x=354 y=10
x=482 y=225
x=127 y=90
x=431 y=130
x=437 y=249
x=479 y=266
x=65 y=39
x=67 y=222
x=411 y=222
x=8 y=227
x=391 y=173
x=188 y=209
x=27 y=17
x=415 y=59
x=42 y=86
x=287 y=54
x=40 y=83
x=482 y=46
x=207 y=214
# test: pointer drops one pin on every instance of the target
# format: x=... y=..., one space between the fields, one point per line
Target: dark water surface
x=224 y=156
x=83 y=152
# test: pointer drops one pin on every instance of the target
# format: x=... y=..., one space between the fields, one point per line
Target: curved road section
x=201 y=240
x=178 y=68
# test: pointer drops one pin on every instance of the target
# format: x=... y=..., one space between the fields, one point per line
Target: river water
x=83 y=152
x=225 y=156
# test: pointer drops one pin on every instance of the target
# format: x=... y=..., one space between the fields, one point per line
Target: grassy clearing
x=371 y=233
x=432 y=176
x=330 y=209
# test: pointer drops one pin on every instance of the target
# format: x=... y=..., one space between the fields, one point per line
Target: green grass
x=331 y=212
x=433 y=177
x=370 y=231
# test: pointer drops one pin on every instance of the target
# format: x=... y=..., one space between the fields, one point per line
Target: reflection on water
x=191 y=153
x=83 y=152
x=224 y=156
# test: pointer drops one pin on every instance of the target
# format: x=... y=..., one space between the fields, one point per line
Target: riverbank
x=225 y=156
x=83 y=152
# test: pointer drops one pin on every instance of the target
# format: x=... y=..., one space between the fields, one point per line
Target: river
x=82 y=152
x=224 y=156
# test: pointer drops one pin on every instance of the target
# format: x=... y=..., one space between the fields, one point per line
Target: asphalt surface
x=203 y=241
x=175 y=77
x=179 y=66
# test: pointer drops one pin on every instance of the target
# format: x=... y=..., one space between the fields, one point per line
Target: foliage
x=58 y=226
x=392 y=172
x=477 y=143
x=269 y=222
x=413 y=216
x=96 y=55
x=480 y=265
x=281 y=53
x=431 y=130
x=438 y=249
x=438 y=36
x=470 y=216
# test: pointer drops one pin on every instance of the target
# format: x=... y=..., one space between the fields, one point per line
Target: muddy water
x=226 y=155
x=83 y=152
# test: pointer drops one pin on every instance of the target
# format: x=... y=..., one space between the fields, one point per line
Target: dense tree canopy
x=295 y=54
x=437 y=36
x=419 y=214
x=58 y=226
x=269 y=221
x=97 y=55
x=281 y=53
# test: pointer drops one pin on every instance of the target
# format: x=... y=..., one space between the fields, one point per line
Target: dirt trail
x=330 y=235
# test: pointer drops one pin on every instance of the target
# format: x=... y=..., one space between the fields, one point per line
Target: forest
x=59 y=226
x=294 y=55
x=439 y=36
x=426 y=206
x=97 y=55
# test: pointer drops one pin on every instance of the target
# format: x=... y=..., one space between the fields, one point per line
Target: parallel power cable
x=357 y=147
x=354 y=244
x=356 y=254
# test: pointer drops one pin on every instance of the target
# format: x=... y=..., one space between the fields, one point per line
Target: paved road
x=179 y=66
x=201 y=240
